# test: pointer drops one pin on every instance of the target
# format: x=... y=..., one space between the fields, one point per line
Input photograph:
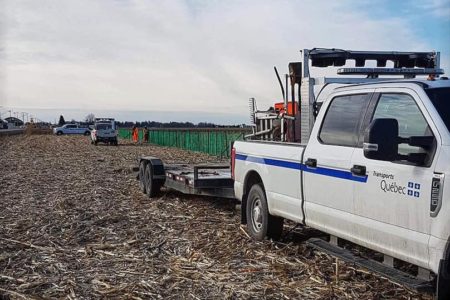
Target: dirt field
x=74 y=224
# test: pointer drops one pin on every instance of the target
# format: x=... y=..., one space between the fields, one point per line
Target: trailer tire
x=260 y=224
x=152 y=186
x=142 y=177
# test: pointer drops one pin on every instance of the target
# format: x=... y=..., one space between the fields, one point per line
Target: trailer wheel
x=152 y=186
x=259 y=222
x=142 y=177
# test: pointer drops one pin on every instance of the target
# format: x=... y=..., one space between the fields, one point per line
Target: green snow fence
x=214 y=141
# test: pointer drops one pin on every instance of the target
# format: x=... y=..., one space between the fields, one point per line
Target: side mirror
x=381 y=140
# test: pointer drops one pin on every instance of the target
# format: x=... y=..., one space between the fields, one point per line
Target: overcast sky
x=202 y=57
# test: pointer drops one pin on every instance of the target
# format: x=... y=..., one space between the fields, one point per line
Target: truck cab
x=391 y=202
x=372 y=165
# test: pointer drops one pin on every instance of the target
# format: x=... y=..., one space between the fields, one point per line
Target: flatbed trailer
x=205 y=180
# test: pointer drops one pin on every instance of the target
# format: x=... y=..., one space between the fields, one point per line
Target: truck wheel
x=259 y=222
x=87 y=133
x=443 y=281
x=142 y=177
x=152 y=187
x=59 y=133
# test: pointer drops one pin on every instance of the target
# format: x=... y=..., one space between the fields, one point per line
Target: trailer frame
x=213 y=180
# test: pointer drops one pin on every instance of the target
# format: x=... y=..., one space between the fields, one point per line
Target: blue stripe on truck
x=347 y=175
x=270 y=162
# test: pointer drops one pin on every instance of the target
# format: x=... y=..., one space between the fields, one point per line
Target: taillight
x=233 y=158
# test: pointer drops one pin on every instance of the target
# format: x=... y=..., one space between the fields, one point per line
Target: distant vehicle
x=72 y=129
x=104 y=131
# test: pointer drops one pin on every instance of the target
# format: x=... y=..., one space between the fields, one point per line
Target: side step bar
x=395 y=275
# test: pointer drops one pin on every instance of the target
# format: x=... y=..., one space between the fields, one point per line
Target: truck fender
x=252 y=177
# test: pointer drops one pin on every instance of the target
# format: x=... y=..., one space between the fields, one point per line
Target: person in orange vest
x=135 y=134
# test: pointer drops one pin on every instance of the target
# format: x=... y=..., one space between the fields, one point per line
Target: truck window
x=411 y=122
x=103 y=126
x=342 y=120
x=439 y=97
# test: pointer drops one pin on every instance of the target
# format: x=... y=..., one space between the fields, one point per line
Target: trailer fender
x=159 y=172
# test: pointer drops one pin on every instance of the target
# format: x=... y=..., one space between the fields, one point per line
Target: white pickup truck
x=72 y=129
x=372 y=166
x=104 y=131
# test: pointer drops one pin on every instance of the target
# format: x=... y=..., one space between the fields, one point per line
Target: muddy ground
x=73 y=224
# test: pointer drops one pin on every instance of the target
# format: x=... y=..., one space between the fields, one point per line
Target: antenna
x=281 y=84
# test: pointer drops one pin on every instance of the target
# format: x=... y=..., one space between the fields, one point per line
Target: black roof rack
x=337 y=57
x=321 y=57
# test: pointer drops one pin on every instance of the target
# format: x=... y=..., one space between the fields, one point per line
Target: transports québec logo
x=389 y=185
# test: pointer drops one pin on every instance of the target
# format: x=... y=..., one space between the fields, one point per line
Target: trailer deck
x=207 y=180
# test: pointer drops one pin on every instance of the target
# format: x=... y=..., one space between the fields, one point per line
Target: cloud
x=439 y=8
x=206 y=56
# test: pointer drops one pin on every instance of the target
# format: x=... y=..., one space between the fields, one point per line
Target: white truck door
x=68 y=129
x=392 y=210
x=328 y=181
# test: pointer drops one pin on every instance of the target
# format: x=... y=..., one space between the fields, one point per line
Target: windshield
x=440 y=97
x=103 y=126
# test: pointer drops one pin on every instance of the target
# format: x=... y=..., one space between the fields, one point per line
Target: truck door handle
x=311 y=163
x=358 y=170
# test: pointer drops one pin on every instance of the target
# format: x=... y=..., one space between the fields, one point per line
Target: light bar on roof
x=389 y=71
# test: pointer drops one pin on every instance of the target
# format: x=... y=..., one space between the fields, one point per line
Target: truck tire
x=142 y=177
x=87 y=133
x=152 y=186
x=59 y=133
x=260 y=223
x=443 y=281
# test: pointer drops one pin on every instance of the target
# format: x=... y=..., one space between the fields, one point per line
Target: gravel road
x=73 y=224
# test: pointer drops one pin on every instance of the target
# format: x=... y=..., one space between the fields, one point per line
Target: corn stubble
x=74 y=224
